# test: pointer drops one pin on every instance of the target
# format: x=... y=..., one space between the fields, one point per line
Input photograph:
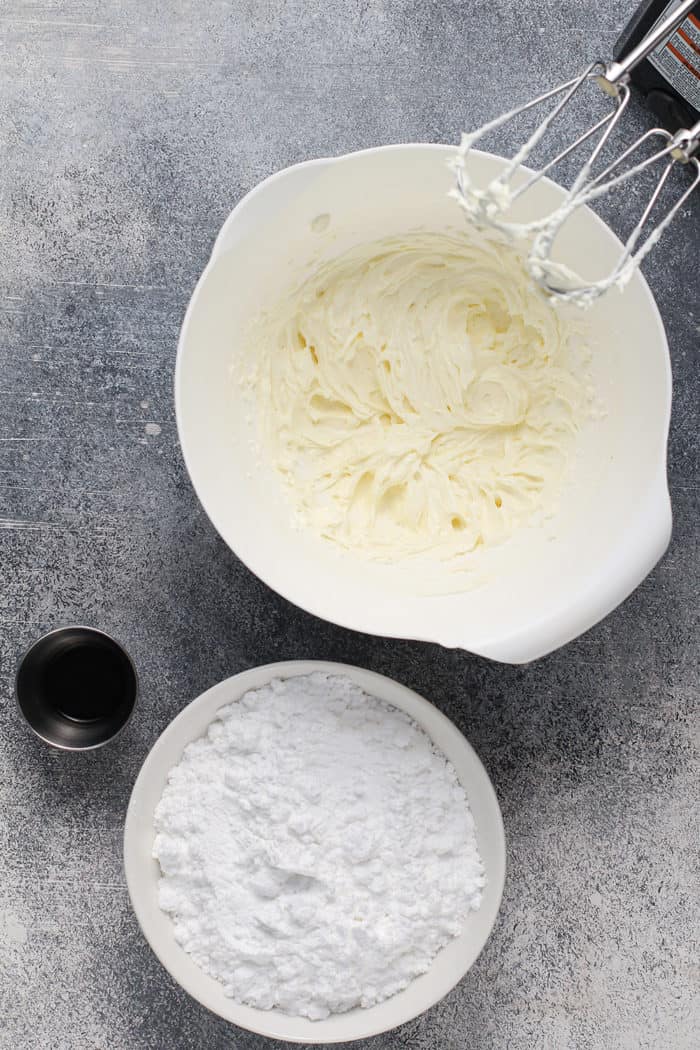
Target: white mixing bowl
x=143 y=872
x=615 y=520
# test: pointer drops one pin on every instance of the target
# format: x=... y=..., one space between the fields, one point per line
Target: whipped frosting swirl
x=418 y=395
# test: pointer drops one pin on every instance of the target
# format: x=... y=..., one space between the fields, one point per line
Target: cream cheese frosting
x=490 y=206
x=418 y=396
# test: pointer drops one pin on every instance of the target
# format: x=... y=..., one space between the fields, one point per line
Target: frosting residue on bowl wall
x=418 y=396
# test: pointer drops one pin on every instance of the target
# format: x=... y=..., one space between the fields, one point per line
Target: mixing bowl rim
x=602 y=593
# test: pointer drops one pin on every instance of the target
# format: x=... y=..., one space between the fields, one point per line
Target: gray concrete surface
x=128 y=132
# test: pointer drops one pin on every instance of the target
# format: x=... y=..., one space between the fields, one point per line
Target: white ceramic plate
x=142 y=871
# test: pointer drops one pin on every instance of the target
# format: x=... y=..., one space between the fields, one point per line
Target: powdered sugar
x=316 y=849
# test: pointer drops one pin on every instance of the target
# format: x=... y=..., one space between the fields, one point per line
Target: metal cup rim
x=89 y=630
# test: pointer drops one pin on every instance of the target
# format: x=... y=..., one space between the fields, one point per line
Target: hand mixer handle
x=616 y=73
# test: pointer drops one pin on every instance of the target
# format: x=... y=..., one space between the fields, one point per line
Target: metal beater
x=489 y=205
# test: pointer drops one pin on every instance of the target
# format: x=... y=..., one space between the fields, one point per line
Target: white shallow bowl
x=142 y=871
x=615 y=518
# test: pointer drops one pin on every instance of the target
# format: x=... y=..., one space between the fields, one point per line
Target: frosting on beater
x=490 y=205
x=418 y=396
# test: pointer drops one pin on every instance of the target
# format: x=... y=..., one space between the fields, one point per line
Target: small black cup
x=77 y=688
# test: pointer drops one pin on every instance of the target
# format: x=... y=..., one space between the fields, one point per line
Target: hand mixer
x=490 y=205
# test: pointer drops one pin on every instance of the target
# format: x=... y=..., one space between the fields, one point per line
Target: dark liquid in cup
x=86 y=681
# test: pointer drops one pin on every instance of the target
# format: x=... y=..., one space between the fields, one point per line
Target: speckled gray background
x=127 y=132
